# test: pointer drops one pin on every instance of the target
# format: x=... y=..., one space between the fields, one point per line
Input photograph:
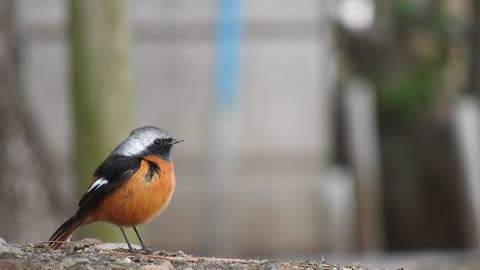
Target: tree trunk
x=474 y=86
x=101 y=87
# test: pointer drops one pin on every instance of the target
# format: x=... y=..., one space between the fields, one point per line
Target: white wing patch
x=98 y=183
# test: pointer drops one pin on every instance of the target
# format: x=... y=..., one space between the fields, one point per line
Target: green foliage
x=403 y=10
x=420 y=54
x=409 y=92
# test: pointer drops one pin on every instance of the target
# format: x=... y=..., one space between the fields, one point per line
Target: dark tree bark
x=474 y=86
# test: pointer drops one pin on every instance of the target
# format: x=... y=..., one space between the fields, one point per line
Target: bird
x=131 y=186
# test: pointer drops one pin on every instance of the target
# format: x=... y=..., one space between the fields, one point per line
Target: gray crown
x=139 y=140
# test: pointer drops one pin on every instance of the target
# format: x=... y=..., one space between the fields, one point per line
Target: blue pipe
x=227 y=64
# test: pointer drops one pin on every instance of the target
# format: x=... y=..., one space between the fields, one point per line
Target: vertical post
x=362 y=143
x=337 y=195
x=466 y=123
x=222 y=125
x=227 y=54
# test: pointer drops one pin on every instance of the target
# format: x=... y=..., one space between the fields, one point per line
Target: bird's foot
x=145 y=250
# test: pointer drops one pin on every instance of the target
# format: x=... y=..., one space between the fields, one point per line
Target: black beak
x=175 y=141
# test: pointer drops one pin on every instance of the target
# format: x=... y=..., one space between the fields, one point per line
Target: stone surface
x=165 y=265
x=68 y=263
x=10 y=264
x=113 y=246
x=80 y=255
x=6 y=248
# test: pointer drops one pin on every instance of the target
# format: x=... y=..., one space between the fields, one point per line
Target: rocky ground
x=92 y=254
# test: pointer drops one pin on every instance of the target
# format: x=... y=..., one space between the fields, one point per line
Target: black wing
x=111 y=174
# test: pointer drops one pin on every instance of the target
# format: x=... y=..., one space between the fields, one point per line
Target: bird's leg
x=126 y=239
x=139 y=238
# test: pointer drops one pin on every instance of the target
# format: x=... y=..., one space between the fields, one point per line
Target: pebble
x=5 y=247
x=163 y=265
x=112 y=246
x=70 y=262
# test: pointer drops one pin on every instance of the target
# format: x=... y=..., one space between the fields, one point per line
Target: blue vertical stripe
x=227 y=52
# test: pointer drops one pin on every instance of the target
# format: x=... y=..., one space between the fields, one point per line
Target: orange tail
x=64 y=231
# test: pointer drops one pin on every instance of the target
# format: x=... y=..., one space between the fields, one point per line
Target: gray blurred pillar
x=337 y=193
x=466 y=123
x=362 y=142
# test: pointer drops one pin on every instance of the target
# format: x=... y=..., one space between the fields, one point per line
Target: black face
x=161 y=148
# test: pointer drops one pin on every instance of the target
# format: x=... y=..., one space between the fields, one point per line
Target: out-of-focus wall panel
x=282 y=113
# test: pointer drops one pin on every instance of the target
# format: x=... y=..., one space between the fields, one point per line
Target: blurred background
x=310 y=127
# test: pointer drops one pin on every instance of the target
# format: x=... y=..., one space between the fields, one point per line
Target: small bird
x=131 y=186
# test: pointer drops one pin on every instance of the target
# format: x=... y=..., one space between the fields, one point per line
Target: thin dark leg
x=126 y=239
x=139 y=238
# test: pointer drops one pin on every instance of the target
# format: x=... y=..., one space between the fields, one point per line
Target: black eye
x=157 y=142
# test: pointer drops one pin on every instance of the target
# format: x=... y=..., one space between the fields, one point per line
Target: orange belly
x=137 y=200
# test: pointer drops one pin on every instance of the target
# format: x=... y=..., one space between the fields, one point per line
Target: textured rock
x=164 y=265
x=69 y=263
x=6 y=248
x=87 y=254
x=113 y=246
x=11 y=264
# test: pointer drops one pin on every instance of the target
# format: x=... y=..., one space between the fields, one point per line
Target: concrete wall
x=279 y=127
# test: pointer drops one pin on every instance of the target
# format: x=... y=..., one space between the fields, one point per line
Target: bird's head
x=146 y=141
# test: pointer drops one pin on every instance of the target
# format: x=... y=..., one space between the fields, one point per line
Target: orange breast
x=137 y=200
